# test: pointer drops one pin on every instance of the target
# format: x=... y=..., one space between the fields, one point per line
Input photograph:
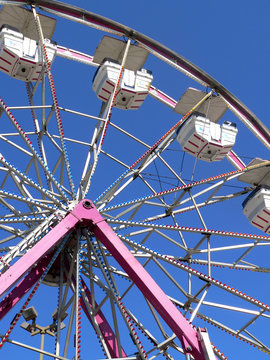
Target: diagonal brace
x=86 y=215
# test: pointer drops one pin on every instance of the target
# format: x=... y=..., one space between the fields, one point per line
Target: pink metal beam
x=34 y=275
x=46 y=244
x=161 y=96
x=149 y=288
x=104 y=326
x=24 y=286
x=74 y=55
x=85 y=214
x=106 y=330
x=235 y=160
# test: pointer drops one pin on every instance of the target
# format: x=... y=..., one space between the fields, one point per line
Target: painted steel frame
x=174 y=60
x=86 y=215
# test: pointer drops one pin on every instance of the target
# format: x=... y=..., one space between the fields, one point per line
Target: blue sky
x=228 y=40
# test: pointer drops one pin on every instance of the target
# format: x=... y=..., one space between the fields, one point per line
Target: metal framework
x=146 y=253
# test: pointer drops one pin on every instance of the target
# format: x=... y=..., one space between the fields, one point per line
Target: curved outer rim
x=87 y=17
x=97 y=20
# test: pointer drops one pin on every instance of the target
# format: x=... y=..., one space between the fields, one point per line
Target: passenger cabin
x=256 y=207
x=20 y=56
x=20 y=53
x=206 y=140
x=133 y=86
x=135 y=80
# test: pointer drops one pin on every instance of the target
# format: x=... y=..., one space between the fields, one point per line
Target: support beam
x=106 y=330
x=86 y=215
x=24 y=286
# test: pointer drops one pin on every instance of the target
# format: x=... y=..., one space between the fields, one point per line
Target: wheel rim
x=139 y=213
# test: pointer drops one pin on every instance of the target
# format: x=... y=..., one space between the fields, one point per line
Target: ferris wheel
x=131 y=225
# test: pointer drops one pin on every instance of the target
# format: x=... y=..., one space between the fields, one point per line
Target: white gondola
x=20 y=56
x=256 y=207
x=133 y=87
x=206 y=140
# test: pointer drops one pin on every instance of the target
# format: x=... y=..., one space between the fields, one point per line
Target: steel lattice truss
x=182 y=224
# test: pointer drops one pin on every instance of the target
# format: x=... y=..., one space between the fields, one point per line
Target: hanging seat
x=256 y=208
x=20 y=56
x=206 y=140
x=133 y=86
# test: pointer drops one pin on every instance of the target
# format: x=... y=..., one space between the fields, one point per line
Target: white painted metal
x=20 y=56
x=257 y=177
x=23 y=20
x=133 y=86
x=206 y=140
x=113 y=48
x=214 y=108
x=150 y=204
x=256 y=207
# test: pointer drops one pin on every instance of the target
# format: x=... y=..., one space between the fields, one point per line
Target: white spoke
x=184 y=184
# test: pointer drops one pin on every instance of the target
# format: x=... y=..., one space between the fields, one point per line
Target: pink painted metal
x=149 y=288
x=104 y=326
x=66 y=10
x=237 y=162
x=74 y=55
x=85 y=214
x=47 y=243
x=161 y=96
x=24 y=286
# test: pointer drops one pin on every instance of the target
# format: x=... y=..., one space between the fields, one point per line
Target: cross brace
x=86 y=215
